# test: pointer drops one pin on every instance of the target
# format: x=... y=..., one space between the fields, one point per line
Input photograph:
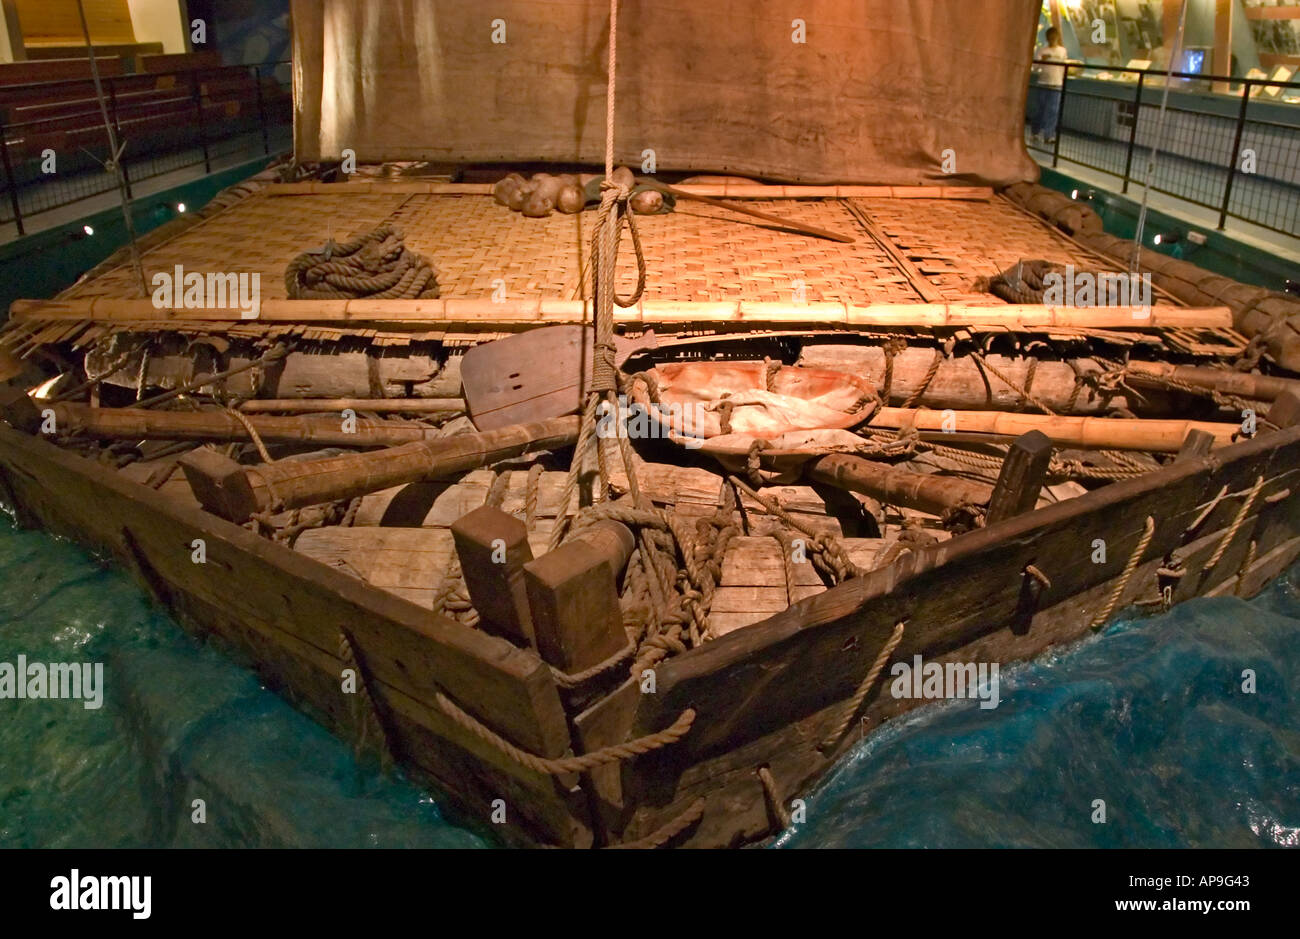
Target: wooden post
x=493 y=548
x=1197 y=444
x=1285 y=410
x=219 y=483
x=18 y=409
x=573 y=595
x=1021 y=479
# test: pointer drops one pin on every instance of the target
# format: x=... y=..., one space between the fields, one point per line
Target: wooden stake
x=1197 y=444
x=573 y=595
x=493 y=548
x=1022 y=476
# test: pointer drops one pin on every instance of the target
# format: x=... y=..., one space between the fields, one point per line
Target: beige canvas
x=878 y=91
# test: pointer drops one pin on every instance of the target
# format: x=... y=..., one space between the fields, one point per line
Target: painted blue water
x=1149 y=717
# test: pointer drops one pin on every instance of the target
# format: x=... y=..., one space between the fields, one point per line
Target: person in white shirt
x=1048 y=87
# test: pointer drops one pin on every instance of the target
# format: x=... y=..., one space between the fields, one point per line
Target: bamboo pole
x=728 y=190
x=222 y=427
x=238 y=492
x=1087 y=433
x=485 y=312
x=375 y=405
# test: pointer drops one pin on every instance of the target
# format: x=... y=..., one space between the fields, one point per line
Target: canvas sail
x=853 y=91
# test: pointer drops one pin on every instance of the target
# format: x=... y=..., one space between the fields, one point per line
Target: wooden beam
x=1021 y=479
x=541 y=312
x=298 y=483
x=573 y=595
x=375 y=405
x=1197 y=444
x=740 y=189
x=923 y=491
x=493 y=548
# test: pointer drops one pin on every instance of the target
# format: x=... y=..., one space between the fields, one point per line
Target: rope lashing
x=570 y=680
x=569 y=764
x=1009 y=382
x=828 y=553
x=851 y=709
x=376 y=266
x=773 y=799
x=252 y=433
x=940 y=354
x=1235 y=526
x=660 y=837
x=1039 y=576
x=1113 y=600
x=362 y=709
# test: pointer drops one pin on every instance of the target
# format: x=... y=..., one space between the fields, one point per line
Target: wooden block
x=1285 y=410
x=1021 y=478
x=1197 y=444
x=409 y=562
x=493 y=549
x=18 y=409
x=573 y=598
x=220 y=484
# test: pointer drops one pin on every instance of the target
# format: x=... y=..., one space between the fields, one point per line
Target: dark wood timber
x=573 y=594
x=1197 y=444
x=493 y=548
x=1285 y=410
x=923 y=491
x=294 y=484
x=222 y=427
x=18 y=409
x=1022 y=476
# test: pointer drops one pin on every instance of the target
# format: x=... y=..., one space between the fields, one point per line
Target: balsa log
x=222 y=427
x=924 y=491
x=1084 y=433
x=1224 y=381
x=238 y=492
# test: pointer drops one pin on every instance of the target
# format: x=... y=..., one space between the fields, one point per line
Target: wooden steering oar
x=743 y=210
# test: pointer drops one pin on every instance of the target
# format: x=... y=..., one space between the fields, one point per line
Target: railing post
x=198 y=110
x=1236 y=152
x=1060 y=116
x=11 y=184
x=261 y=110
x=1132 y=131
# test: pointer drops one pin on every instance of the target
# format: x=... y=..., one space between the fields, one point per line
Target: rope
x=574 y=679
x=362 y=708
x=1248 y=560
x=1235 y=526
x=773 y=800
x=660 y=837
x=1023 y=392
x=252 y=433
x=864 y=689
x=569 y=764
x=375 y=266
x=1039 y=576
x=1127 y=575
x=828 y=552
x=915 y=397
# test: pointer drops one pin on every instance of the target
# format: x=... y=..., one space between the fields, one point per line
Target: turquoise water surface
x=1149 y=717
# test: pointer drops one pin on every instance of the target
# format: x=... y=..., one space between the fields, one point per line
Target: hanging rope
x=864 y=689
x=1127 y=575
x=1235 y=526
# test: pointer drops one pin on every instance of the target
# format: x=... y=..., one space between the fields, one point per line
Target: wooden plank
x=409 y=562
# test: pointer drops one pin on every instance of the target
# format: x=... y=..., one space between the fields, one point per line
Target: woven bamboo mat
x=696 y=253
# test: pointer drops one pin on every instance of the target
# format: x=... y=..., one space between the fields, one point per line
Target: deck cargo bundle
x=622 y=543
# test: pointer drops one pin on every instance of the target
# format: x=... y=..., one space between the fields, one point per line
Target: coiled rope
x=375 y=266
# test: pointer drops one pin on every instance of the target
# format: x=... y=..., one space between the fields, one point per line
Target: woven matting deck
x=696 y=253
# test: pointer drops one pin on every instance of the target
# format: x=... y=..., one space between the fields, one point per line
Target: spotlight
x=180 y=207
x=88 y=230
x=1074 y=194
x=1157 y=239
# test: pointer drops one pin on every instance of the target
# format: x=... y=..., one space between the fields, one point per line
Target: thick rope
x=362 y=708
x=1023 y=392
x=660 y=837
x=864 y=689
x=1113 y=601
x=1235 y=526
x=570 y=764
x=253 y=434
x=375 y=266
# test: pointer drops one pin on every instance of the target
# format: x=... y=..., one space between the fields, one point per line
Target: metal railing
x=1228 y=144
x=54 y=149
